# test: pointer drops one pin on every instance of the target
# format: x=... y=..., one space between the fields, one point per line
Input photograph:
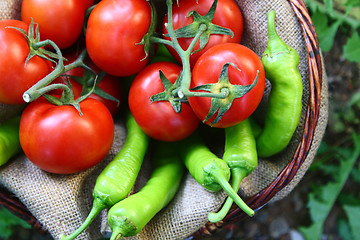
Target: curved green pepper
x=241 y=156
x=285 y=100
x=210 y=171
x=129 y=216
x=9 y=139
x=118 y=177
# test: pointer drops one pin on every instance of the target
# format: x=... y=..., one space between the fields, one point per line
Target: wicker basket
x=287 y=174
x=316 y=76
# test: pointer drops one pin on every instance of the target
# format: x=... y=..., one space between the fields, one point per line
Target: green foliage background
x=331 y=16
x=7 y=223
x=338 y=165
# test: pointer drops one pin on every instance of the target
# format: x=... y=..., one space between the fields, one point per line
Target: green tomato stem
x=183 y=91
x=43 y=86
x=169 y=27
x=223 y=94
x=161 y=41
x=185 y=59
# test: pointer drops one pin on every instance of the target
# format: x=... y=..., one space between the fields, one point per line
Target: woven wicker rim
x=261 y=198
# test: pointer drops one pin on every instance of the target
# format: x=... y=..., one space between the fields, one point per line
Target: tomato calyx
x=89 y=85
x=67 y=97
x=168 y=93
x=204 y=22
x=200 y=29
x=224 y=93
x=146 y=40
x=45 y=85
x=35 y=45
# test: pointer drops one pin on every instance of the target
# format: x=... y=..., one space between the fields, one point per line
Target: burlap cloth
x=61 y=203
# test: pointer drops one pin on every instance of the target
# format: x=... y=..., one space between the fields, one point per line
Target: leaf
x=344 y=230
x=355 y=100
x=327 y=40
x=356 y=174
x=325 y=32
x=351 y=50
x=352 y=3
x=321 y=202
x=329 y=5
x=313 y=232
x=7 y=221
x=349 y=198
x=353 y=214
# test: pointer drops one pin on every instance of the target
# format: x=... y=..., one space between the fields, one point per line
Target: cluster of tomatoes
x=61 y=138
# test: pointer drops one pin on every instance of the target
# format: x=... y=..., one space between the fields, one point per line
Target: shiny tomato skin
x=158 y=119
x=16 y=78
x=58 y=140
x=207 y=70
x=112 y=86
x=59 y=20
x=114 y=29
x=227 y=15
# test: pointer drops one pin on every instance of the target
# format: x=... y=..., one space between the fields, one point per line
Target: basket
x=316 y=75
x=300 y=153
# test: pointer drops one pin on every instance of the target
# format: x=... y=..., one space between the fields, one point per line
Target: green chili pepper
x=163 y=54
x=129 y=216
x=9 y=139
x=255 y=127
x=117 y=179
x=241 y=156
x=209 y=171
x=284 y=105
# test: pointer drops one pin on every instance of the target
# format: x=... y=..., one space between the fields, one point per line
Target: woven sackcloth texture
x=10 y=9
x=62 y=202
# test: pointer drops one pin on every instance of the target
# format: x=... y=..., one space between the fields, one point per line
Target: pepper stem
x=237 y=175
x=116 y=234
x=121 y=226
x=275 y=43
x=221 y=180
x=98 y=206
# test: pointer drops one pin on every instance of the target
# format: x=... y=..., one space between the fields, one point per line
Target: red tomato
x=207 y=70
x=227 y=15
x=58 y=140
x=16 y=78
x=158 y=119
x=59 y=20
x=109 y=84
x=114 y=29
x=112 y=86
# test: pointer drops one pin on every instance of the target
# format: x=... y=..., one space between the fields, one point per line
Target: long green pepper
x=285 y=100
x=129 y=216
x=9 y=139
x=118 y=177
x=241 y=156
x=210 y=171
